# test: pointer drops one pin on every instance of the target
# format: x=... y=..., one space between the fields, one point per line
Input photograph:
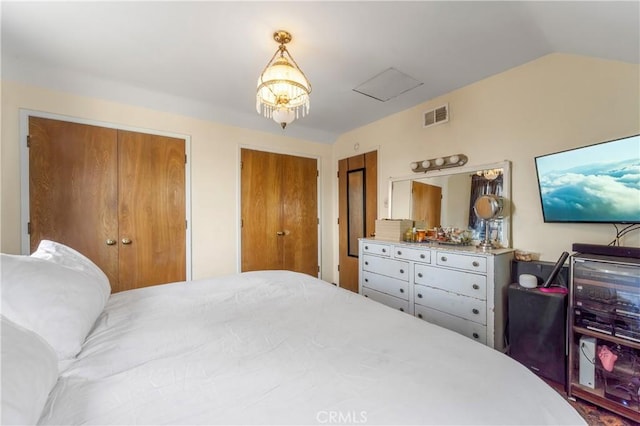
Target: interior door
x=300 y=214
x=426 y=203
x=279 y=211
x=73 y=189
x=358 y=211
x=118 y=197
x=261 y=210
x=151 y=210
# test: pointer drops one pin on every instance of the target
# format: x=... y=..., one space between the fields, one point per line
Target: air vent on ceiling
x=436 y=116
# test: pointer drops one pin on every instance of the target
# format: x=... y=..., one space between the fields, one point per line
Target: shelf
x=607 y=337
x=599 y=289
x=596 y=396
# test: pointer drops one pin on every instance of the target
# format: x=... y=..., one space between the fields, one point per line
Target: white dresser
x=460 y=288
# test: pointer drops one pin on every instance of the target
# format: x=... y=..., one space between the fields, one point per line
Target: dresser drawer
x=455 y=304
x=408 y=253
x=473 y=285
x=388 y=285
x=385 y=299
x=473 y=330
x=389 y=267
x=379 y=249
x=462 y=261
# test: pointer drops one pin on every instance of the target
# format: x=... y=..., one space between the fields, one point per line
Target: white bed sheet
x=278 y=347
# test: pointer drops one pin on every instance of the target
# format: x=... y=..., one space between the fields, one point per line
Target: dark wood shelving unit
x=604 y=311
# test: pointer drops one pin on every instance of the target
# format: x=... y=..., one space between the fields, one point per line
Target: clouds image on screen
x=591 y=192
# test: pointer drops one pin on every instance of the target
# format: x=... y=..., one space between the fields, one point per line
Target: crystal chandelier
x=283 y=89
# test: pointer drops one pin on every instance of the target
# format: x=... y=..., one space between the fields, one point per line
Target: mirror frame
x=505 y=165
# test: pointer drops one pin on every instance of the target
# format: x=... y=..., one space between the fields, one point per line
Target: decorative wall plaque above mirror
x=445 y=199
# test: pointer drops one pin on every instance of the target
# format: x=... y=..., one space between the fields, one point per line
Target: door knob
x=126 y=241
x=110 y=242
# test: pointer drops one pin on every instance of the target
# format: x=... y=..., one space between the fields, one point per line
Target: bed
x=268 y=347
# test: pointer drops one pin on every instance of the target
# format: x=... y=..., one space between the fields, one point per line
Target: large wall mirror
x=445 y=198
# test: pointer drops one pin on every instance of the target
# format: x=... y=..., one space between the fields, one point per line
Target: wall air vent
x=436 y=116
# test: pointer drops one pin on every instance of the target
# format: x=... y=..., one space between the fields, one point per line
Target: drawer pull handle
x=420 y=316
x=366 y=263
x=399 y=253
x=366 y=295
x=419 y=274
x=475 y=311
x=366 y=280
x=401 y=310
x=476 y=335
x=402 y=271
x=402 y=290
x=384 y=250
x=422 y=256
x=419 y=295
x=476 y=287
x=366 y=247
x=476 y=263
x=443 y=258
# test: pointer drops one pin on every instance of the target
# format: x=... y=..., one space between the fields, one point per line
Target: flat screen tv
x=593 y=184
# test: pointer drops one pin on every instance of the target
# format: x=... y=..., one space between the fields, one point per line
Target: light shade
x=283 y=116
x=283 y=89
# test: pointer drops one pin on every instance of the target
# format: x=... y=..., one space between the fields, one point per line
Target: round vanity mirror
x=488 y=207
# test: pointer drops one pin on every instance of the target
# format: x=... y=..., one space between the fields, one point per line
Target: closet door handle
x=126 y=241
x=110 y=242
x=280 y=233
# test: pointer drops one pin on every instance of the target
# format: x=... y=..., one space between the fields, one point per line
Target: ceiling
x=202 y=59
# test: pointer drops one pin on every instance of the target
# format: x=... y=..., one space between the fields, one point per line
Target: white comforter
x=278 y=347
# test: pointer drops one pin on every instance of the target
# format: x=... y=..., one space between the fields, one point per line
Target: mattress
x=278 y=347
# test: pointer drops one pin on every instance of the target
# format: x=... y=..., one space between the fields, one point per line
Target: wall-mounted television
x=593 y=184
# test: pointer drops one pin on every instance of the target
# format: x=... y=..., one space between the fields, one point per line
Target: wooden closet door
x=151 y=187
x=261 y=211
x=117 y=197
x=300 y=214
x=73 y=189
x=279 y=212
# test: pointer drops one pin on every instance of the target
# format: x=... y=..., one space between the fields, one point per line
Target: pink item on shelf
x=607 y=358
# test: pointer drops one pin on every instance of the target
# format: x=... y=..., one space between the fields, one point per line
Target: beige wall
x=214 y=170
x=554 y=103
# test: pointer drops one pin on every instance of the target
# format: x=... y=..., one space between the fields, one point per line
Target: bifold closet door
x=151 y=210
x=279 y=210
x=116 y=196
x=73 y=189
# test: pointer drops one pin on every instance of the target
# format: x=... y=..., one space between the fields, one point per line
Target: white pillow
x=29 y=372
x=56 y=292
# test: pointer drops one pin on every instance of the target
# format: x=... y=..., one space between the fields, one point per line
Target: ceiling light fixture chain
x=283 y=89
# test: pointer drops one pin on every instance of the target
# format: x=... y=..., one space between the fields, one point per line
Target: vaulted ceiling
x=203 y=59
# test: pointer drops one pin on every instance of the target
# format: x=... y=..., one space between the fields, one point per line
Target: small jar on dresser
x=461 y=288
